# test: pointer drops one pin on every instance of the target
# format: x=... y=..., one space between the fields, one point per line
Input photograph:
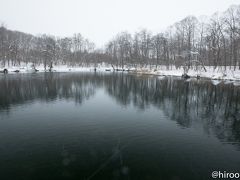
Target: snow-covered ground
x=29 y=68
x=212 y=73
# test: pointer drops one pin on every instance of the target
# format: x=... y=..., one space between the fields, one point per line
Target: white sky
x=100 y=20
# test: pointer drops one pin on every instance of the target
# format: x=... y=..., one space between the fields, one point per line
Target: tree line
x=212 y=41
x=17 y=47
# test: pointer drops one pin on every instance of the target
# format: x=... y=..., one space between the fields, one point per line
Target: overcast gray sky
x=100 y=20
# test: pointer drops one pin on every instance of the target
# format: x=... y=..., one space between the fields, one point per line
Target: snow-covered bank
x=212 y=73
x=219 y=73
x=40 y=68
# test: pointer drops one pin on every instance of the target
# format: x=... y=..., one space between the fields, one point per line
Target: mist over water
x=116 y=126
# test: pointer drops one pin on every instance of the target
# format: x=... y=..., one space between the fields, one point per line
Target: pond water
x=116 y=126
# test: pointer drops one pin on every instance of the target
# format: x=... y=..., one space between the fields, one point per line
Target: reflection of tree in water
x=216 y=108
x=129 y=89
x=47 y=87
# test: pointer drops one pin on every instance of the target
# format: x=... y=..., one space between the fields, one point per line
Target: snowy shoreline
x=218 y=73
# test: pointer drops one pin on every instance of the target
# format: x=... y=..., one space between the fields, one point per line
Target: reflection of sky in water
x=114 y=127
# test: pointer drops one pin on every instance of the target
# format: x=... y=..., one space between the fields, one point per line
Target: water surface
x=116 y=126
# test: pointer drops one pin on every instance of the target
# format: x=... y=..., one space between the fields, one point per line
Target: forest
x=209 y=41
